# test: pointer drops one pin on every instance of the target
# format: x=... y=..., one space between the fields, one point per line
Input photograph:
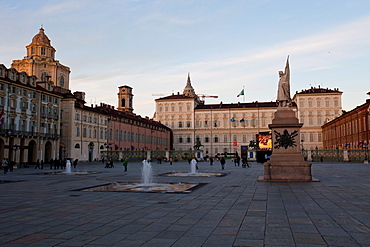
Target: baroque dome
x=40 y=38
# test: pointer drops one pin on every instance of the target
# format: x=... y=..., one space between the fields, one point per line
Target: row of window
x=42 y=51
x=216 y=138
x=312 y=137
x=88 y=132
x=121 y=135
x=90 y=119
x=25 y=125
x=216 y=123
x=173 y=108
x=31 y=94
x=318 y=103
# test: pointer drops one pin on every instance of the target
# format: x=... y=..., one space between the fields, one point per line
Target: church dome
x=40 y=38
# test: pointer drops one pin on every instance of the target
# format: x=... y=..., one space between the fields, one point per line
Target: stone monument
x=287 y=163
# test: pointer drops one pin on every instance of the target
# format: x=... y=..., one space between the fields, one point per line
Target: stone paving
x=234 y=210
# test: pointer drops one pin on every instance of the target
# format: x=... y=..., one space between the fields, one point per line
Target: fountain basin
x=148 y=188
x=190 y=174
x=67 y=173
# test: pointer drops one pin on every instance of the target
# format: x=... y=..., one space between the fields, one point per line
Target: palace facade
x=232 y=127
x=29 y=117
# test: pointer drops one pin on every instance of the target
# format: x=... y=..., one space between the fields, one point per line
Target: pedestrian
x=211 y=161
x=37 y=164
x=125 y=163
x=235 y=161
x=51 y=163
x=75 y=163
x=111 y=163
x=238 y=160
x=11 y=165
x=5 y=165
x=171 y=161
x=56 y=164
x=223 y=161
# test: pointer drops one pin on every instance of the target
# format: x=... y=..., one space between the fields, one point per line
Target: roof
x=255 y=104
x=319 y=90
x=175 y=96
x=41 y=39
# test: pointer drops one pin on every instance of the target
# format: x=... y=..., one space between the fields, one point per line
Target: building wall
x=192 y=121
x=131 y=132
x=316 y=106
x=30 y=118
x=350 y=131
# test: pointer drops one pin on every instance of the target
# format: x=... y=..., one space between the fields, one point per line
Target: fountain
x=68 y=167
x=146 y=184
x=193 y=172
x=68 y=171
x=146 y=173
x=193 y=166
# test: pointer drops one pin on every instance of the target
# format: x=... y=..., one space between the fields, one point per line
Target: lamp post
x=64 y=152
x=15 y=148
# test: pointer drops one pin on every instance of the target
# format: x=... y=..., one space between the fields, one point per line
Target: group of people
x=7 y=165
x=236 y=161
x=55 y=164
x=110 y=164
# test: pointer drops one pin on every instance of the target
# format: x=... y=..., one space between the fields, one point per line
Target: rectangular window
x=311 y=137
x=77 y=131
x=225 y=138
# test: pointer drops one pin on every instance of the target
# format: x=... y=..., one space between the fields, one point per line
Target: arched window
x=61 y=81
x=77 y=145
x=123 y=102
x=44 y=76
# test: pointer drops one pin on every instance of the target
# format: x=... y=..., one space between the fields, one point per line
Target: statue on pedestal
x=283 y=94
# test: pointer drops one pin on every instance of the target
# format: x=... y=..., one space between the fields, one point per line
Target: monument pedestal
x=286 y=163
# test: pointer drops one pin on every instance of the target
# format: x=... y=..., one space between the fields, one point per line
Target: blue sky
x=151 y=45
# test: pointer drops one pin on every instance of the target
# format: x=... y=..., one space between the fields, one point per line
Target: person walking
x=75 y=163
x=223 y=161
x=211 y=161
x=37 y=164
x=125 y=163
x=51 y=163
x=5 y=165
x=171 y=161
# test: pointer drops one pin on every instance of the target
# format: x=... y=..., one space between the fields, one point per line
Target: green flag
x=241 y=93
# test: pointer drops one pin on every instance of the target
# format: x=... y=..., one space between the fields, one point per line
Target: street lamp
x=64 y=152
x=15 y=148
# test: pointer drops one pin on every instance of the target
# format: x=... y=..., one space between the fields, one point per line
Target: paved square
x=234 y=210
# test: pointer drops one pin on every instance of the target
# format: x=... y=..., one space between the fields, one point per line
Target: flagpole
x=243 y=95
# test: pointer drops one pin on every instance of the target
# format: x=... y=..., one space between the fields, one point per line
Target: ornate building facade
x=30 y=118
x=40 y=61
x=316 y=106
x=231 y=127
x=44 y=120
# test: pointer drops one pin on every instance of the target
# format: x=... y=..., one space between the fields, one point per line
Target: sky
x=152 y=45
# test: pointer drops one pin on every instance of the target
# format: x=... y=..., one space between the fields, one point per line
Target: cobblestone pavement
x=234 y=210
